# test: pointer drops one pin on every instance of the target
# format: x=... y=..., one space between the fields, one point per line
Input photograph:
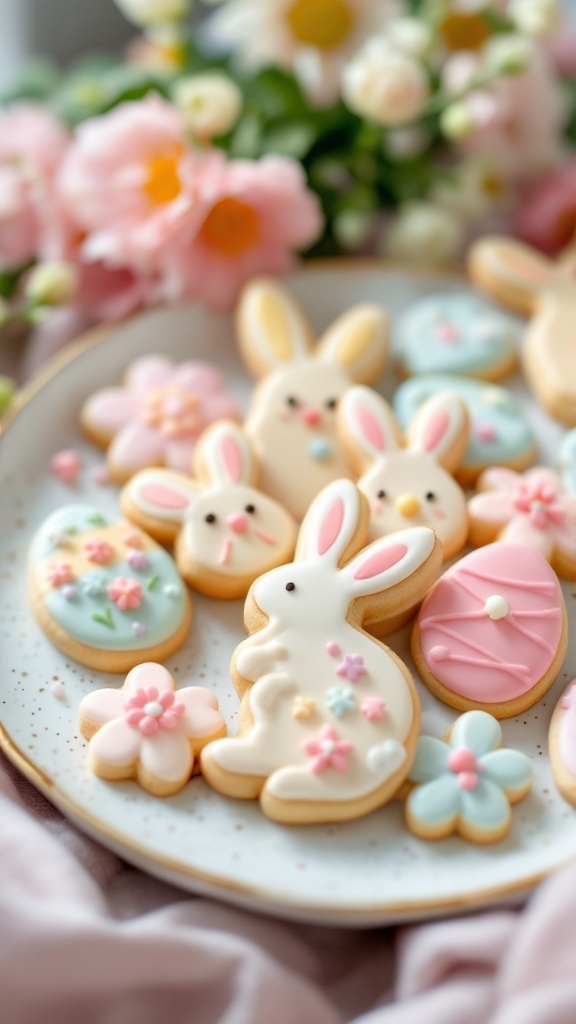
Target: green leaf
x=293 y=140
x=152 y=582
x=105 y=618
x=96 y=519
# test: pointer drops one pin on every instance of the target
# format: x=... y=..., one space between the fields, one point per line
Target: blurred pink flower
x=547 y=214
x=246 y=218
x=32 y=144
x=562 y=51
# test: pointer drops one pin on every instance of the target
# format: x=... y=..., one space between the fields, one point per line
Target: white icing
x=496 y=607
x=212 y=456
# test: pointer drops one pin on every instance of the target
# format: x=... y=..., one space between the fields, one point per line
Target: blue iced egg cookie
x=104 y=592
x=499 y=434
x=567 y=461
x=456 y=333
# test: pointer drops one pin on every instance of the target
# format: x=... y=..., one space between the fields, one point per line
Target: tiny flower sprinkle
x=132 y=539
x=149 y=710
x=139 y=629
x=373 y=708
x=98 y=550
x=125 y=593
x=303 y=707
x=59 y=573
x=137 y=560
x=351 y=667
x=340 y=701
x=328 y=750
x=66 y=465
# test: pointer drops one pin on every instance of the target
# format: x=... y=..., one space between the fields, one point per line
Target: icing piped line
x=516 y=671
x=510 y=617
x=504 y=581
x=225 y=551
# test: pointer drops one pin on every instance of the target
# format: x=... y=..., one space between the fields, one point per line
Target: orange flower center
x=162 y=184
x=325 y=24
x=231 y=227
x=462 y=31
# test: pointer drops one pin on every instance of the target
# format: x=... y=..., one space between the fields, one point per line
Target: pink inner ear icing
x=156 y=494
x=380 y=561
x=435 y=430
x=370 y=428
x=232 y=459
x=331 y=526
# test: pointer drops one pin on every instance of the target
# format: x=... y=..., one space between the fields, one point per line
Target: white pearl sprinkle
x=58 y=691
x=496 y=607
x=153 y=709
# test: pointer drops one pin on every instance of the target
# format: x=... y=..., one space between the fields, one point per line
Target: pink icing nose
x=238 y=522
x=310 y=416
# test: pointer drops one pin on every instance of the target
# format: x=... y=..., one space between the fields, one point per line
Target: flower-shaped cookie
x=528 y=508
x=155 y=419
x=466 y=783
x=147 y=732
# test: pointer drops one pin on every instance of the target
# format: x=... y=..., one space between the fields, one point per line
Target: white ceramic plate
x=371 y=871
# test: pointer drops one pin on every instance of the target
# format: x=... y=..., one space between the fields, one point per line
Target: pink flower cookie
x=529 y=508
x=156 y=418
x=562 y=744
x=147 y=731
x=491 y=634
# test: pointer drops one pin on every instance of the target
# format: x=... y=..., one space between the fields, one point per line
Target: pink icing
x=485 y=432
x=59 y=573
x=484 y=659
x=98 y=550
x=373 y=708
x=327 y=750
x=150 y=710
x=155 y=494
x=332 y=648
x=541 y=501
x=464 y=764
x=435 y=429
x=66 y=465
x=232 y=459
x=380 y=561
x=567 y=732
x=330 y=527
x=370 y=428
x=351 y=667
x=126 y=593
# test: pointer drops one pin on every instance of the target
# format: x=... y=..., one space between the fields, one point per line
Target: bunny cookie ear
x=441 y=429
x=272 y=329
x=358 y=341
x=367 y=427
x=389 y=561
x=333 y=522
x=510 y=272
x=223 y=455
x=159 y=500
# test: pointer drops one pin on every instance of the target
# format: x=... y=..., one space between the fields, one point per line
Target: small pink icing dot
x=485 y=432
x=132 y=539
x=137 y=560
x=333 y=649
x=373 y=708
x=462 y=760
x=439 y=653
x=100 y=476
x=66 y=465
x=468 y=780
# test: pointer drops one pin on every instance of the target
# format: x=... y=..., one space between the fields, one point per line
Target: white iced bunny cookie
x=329 y=716
x=227 y=532
x=412 y=485
x=527 y=282
x=291 y=421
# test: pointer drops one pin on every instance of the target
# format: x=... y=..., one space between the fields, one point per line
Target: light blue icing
x=319 y=448
x=161 y=610
x=340 y=700
x=567 y=461
x=438 y=798
x=455 y=333
x=508 y=436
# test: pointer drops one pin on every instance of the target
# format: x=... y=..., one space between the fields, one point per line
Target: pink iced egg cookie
x=562 y=744
x=155 y=418
x=492 y=632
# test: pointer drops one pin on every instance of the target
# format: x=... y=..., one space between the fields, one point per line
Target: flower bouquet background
x=203 y=156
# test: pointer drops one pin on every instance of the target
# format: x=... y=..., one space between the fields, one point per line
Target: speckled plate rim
x=253 y=898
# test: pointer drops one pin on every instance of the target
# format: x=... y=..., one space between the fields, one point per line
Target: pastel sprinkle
x=485 y=432
x=320 y=449
x=58 y=691
x=373 y=708
x=332 y=648
x=152 y=582
x=100 y=476
x=132 y=539
x=139 y=629
x=66 y=465
x=351 y=667
x=171 y=590
x=69 y=593
x=137 y=560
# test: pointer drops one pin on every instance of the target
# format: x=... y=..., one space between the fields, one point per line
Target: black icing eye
x=381 y=495
x=210 y=518
x=250 y=509
x=430 y=496
x=290 y=586
x=331 y=403
x=292 y=402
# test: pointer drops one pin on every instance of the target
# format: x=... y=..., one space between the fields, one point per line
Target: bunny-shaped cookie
x=291 y=422
x=412 y=485
x=227 y=532
x=329 y=716
x=527 y=282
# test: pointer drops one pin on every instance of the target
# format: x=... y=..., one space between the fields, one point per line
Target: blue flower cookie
x=466 y=783
x=104 y=592
x=456 y=333
x=499 y=434
x=567 y=461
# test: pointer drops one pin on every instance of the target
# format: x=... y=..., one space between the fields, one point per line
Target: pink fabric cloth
x=86 y=938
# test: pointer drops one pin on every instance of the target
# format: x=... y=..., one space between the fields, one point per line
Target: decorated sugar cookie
x=292 y=419
x=530 y=508
x=148 y=730
x=456 y=333
x=499 y=433
x=567 y=462
x=412 y=485
x=104 y=592
x=466 y=783
x=562 y=744
x=329 y=716
x=227 y=531
x=156 y=418
x=525 y=281
x=492 y=632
